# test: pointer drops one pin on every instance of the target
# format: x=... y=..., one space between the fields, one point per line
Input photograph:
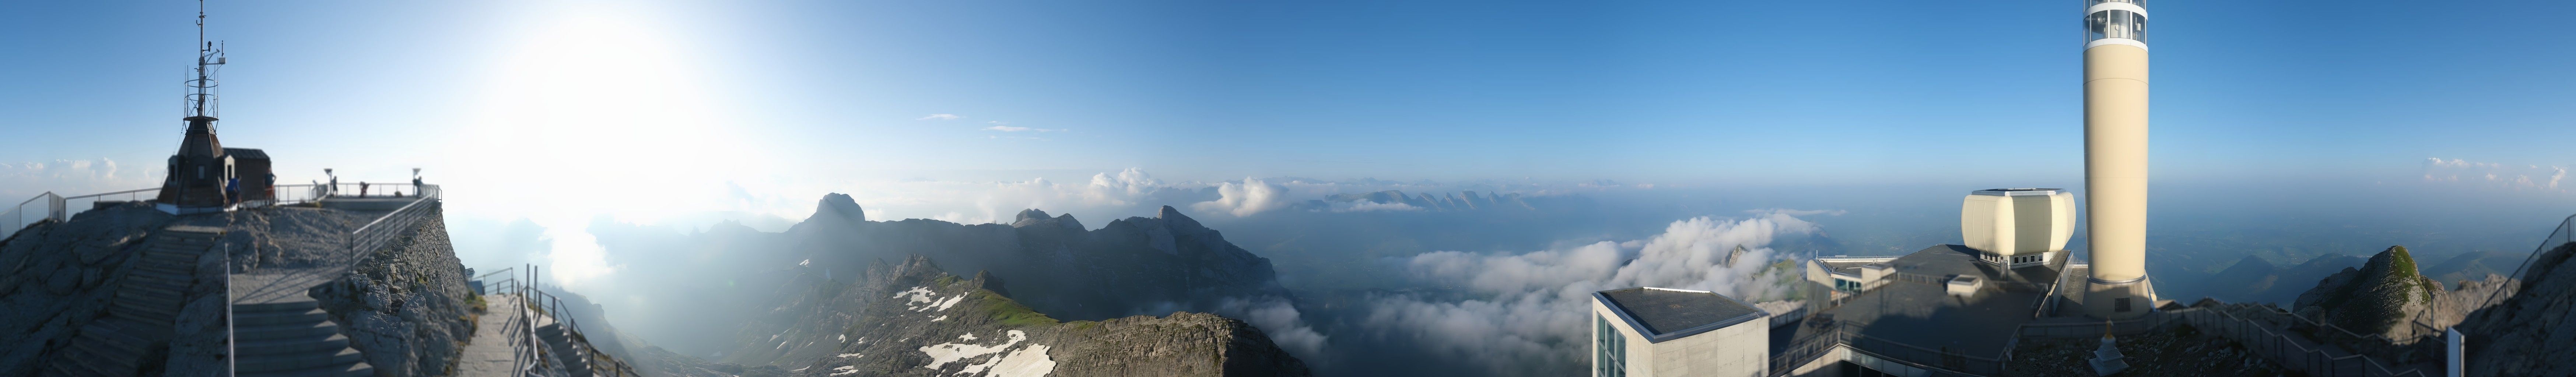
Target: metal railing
x=58 y=208
x=2287 y=349
x=529 y=354
x=2563 y=237
x=382 y=232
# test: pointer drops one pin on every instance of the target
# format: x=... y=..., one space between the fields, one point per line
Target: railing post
x=54 y=208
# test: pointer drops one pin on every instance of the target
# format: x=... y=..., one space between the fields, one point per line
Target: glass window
x=1609 y=358
x=2115 y=23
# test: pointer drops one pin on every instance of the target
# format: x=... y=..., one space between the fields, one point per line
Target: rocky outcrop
x=406 y=306
x=2531 y=332
x=912 y=319
x=2378 y=298
x=56 y=277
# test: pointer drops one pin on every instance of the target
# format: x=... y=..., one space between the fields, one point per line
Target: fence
x=2563 y=237
x=382 y=232
x=2291 y=352
x=530 y=356
x=49 y=206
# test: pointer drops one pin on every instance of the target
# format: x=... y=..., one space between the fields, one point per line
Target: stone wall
x=406 y=307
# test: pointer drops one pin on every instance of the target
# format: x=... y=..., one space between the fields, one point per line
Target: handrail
x=363 y=244
x=2267 y=336
x=2564 y=234
x=111 y=193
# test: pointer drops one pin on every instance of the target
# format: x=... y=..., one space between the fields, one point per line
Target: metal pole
x=231 y=355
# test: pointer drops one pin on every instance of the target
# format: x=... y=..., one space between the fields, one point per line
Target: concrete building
x=2017 y=227
x=1646 y=331
x=2115 y=158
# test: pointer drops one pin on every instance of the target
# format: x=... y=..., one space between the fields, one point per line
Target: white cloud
x=1530 y=309
x=1274 y=316
x=19 y=181
x=2497 y=175
x=939 y=117
x=1247 y=198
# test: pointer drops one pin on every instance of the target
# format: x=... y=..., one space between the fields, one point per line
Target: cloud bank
x=1530 y=307
x=2494 y=175
x=1245 y=199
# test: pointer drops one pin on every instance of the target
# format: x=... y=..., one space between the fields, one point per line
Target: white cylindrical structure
x=2115 y=158
x=2017 y=227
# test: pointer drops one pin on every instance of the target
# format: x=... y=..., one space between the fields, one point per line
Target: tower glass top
x=2116 y=21
x=2140 y=3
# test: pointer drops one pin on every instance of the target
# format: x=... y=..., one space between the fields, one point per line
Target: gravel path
x=488 y=354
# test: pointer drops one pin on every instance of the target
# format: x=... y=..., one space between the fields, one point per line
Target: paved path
x=488 y=354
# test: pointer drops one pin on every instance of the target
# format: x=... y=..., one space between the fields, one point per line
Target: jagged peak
x=1173 y=218
x=1034 y=216
x=839 y=206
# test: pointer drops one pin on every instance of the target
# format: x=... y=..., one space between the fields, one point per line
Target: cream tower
x=2115 y=158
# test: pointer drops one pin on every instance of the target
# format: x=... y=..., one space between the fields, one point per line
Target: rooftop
x=2017 y=191
x=1665 y=314
x=1915 y=308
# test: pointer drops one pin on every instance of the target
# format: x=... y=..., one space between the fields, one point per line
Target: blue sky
x=767 y=104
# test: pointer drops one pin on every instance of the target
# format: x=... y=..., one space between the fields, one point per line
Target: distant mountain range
x=750 y=298
x=2254 y=279
x=1398 y=200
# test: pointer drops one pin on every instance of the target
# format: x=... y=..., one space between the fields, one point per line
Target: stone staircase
x=575 y=358
x=292 y=338
x=137 y=328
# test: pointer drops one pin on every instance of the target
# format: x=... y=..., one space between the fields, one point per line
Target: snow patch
x=968 y=336
x=845 y=370
x=941 y=318
x=944 y=353
x=952 y=301
x=1031 y=361
x=917 y=295
x=852 y=355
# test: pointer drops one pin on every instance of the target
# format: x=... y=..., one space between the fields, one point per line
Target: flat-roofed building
x=1648 y=331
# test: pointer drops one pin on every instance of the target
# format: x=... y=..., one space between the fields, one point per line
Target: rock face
x=2532 y=332
x=406 y=306
x=2378 y=298
x=912 y=319
x=54 y=279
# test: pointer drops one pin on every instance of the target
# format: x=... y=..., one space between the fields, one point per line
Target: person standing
x=362 y=189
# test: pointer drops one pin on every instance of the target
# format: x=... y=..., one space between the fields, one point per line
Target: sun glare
x=597 y=114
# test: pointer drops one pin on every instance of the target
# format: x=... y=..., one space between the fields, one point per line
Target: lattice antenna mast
x=201 y=98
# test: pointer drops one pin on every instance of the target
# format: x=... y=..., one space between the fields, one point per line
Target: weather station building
x=1948 y=309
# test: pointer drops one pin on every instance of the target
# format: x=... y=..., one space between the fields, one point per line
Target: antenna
x=201 y=98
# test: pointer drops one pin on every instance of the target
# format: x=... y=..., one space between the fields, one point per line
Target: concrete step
x=159 y=280
x=104 y=362
x=163 y=306
x=158 y=318
x=185 y=271
x=291 y=362
x=155 y=290
x=253 y=319
x=289 y=346
x=242 y=334
x=357 y=369
x=285 y=306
